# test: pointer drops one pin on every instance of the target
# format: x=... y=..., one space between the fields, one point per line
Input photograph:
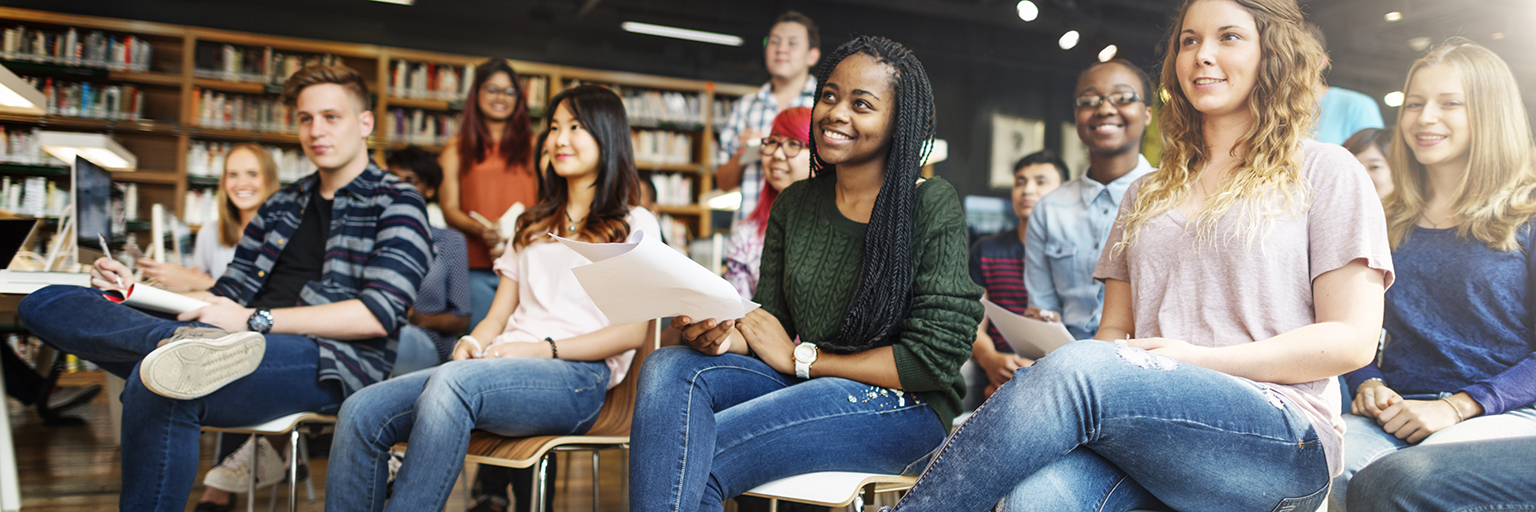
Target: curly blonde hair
x=1283 y=104
x=1497 y=193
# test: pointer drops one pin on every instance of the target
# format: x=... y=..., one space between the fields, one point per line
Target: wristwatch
x=805 y=355
x=260 y=321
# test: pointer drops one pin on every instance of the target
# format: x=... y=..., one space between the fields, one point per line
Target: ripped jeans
x=1095 y=426
x=707 y=428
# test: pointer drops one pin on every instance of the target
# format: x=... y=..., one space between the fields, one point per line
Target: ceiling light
x=399 y=2
x=681 y=33
x=1498 y=35
x=1028 y=11
x=1108 y=53
x=17 y=96
x=96 y=147
x=1420 y=44
x=1393 y=99
x=1394 y=16
x=1068 y=40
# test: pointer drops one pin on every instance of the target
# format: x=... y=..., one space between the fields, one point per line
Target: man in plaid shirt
x=791 y=49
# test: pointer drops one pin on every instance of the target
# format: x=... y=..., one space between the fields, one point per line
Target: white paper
x=154 y=299
x=639 y=281
x=1029 y=337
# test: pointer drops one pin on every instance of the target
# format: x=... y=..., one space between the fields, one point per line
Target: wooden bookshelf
x=164 y=134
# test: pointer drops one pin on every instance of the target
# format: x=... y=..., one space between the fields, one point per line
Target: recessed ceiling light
x=1108 y=53
x=1068 y=40
x=681 y=33
x=1394 y=16
x=1028 y=11
x=1393 y=99
x=1420 y=44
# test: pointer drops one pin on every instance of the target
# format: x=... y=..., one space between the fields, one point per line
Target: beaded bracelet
x=554 y=352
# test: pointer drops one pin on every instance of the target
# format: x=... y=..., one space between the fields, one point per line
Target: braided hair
x=885 y=278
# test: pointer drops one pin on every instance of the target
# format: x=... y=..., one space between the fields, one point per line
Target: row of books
x=95 y=50
x=206 y=159
x=34 y=196
x=19 y=146
x=662 y=147
x=650 y=107
x=215 y=109
x=201 y=207
x=428 y=81
x=421 y=127
x=90 y=100
x=674 y=232
x=672 y=189
x=263 y=65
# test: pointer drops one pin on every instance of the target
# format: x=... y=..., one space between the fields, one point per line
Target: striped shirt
x=755 y=112
x=377 y=252
x=997 y=264
x=445 y=289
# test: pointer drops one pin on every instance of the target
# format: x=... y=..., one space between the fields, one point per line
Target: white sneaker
x=191 y=368
x=234 y=475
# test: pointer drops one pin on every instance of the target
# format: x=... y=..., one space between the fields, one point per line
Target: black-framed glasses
x=1120 y=99
x=791 y=147
x=491 y=90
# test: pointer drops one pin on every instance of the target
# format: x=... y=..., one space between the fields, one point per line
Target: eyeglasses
x=791 y=147
x=491 y=90
x=1120 y=99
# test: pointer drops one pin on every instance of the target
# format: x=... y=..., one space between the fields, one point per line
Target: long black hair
x=601 y=114
x=885 y=277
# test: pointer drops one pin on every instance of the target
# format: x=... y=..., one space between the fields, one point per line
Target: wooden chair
x=834 y=489
x=297 y=451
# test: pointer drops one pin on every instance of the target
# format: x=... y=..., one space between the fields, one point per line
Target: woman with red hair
x=785 y=161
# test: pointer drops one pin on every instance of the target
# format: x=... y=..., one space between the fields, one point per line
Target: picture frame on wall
x=1013 y=137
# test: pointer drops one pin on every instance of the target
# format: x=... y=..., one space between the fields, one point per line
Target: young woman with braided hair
x=1241 y=277
x=867 y=269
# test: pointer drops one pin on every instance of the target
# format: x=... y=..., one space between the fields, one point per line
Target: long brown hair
x=230 y=229
x=475 y=137
x=601 y=114
x=1497 y=193
x=1283 y=104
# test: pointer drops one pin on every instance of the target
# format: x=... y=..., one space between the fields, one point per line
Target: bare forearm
x=345 y=320
x=603 y=343
x=1310 y=353
x=876 y=367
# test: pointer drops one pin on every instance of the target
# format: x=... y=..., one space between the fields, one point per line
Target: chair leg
x=594 y=481
x=309 y=483
x=773 y=505
x=539 y=477
x=293 y=470
x=250 y=496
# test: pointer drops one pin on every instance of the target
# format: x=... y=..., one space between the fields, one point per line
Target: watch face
x=805 y=352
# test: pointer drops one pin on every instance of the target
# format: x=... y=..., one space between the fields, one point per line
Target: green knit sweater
x=810 y=271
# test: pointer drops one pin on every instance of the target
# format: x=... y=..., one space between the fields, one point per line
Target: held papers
x=1029 y=337
x=154 y=299
x=644 y=280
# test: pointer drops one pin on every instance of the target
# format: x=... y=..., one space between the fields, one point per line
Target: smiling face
x=853 y=117
x=1376 y=167
x=573 y=151
x=1112 y=127
x=243 y=182
x=497 y=98
x=788 y=52
x=331 y=128
x=1030 y=183
x=782 y=170
x=1218 y=59
x=1434 y=122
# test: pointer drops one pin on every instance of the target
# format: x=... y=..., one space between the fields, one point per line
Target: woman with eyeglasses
x=488 y=168
x=785 y=161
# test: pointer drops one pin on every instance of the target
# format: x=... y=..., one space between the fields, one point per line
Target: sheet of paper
x=638 y=281
x=1029 y=337
x=143 y=296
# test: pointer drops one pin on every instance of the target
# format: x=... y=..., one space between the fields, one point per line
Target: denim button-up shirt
x=1066 y=234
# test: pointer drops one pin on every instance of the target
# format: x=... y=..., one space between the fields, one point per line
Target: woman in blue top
x=1460 y=360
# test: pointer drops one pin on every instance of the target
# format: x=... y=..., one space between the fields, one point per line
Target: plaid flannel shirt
x=755 y=112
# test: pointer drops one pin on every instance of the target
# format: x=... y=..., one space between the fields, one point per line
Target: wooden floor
x=77 y=469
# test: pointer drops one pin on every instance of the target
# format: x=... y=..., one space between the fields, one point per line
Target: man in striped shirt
x=314 y=299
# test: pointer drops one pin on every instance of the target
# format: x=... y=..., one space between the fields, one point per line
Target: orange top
x=490 y=187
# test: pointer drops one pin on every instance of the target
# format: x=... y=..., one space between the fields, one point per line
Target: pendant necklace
x=572 y=227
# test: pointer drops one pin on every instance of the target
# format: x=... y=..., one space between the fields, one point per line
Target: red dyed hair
x=794 y=123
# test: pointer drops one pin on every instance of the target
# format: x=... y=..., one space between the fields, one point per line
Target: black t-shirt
x=302 y=259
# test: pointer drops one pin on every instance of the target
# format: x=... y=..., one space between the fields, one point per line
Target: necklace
x=1433 y=224
x=572 y=227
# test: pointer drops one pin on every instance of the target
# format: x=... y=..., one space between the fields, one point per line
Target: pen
x=108 y=252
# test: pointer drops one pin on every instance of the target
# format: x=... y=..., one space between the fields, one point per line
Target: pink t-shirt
x=551 y=303
x=1219 y=292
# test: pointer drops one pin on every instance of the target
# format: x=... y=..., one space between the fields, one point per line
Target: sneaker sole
x=193 y=368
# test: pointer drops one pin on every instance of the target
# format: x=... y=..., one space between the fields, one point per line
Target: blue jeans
x=482 y=290
x=511 y=397
x=1096 y=426
x=160 y=434
x=1462 y=477
x=708 y=428
x=1365 y=441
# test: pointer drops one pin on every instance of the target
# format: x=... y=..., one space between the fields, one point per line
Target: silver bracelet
x=1459 y=417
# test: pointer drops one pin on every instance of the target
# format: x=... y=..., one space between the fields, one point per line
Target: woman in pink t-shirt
x=1239 y=279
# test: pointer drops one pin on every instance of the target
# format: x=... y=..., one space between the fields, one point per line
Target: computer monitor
x=91 y=193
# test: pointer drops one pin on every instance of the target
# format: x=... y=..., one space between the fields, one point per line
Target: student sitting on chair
x=543 y=359
x=315 y=297
x=1460 y=360
x=441 y=311
x=867 y=269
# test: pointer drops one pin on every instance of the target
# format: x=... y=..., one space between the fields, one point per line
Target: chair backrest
x=619 y=404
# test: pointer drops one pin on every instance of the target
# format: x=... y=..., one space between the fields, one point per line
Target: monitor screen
x=91 y=193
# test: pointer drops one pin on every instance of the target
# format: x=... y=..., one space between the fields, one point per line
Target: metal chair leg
x=293 y=470
x=539 y=477
x=309 y=483
x=594 y=481
x=250 y=496
x=773 y=505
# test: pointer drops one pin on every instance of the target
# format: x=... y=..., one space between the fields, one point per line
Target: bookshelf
x=178 y=96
